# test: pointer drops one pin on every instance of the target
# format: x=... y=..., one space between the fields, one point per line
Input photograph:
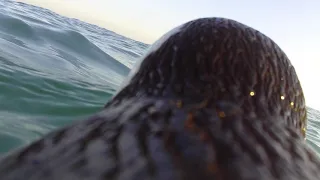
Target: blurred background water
x=54 y=70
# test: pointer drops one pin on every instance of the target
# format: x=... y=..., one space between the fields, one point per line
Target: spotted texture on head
x=215 y=100
x=220 y=59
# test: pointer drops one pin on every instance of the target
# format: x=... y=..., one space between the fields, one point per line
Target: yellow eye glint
x=252 y=93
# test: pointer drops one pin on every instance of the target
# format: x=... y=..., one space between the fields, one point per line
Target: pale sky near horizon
x=293 y=24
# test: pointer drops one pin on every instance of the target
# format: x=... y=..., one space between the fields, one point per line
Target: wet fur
x=188 y=113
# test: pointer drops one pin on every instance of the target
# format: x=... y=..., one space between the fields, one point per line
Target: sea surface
x=55 y=70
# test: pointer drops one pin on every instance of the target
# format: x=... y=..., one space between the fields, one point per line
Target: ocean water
x=55 y=70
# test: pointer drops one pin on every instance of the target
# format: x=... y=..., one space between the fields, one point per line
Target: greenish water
x=55 y=70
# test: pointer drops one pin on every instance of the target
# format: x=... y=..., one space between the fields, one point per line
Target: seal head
x=212 y=99
x=217 y=59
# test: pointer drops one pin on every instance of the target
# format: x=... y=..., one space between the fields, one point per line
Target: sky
x=293 y=24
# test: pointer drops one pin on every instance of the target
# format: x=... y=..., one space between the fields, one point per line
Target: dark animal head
x=218 y=59
x=212 y=99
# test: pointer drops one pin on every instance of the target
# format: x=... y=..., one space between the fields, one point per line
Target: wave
x=72 y=41
x=54 y=70
x=16 y=27
x=66 y=39
x=64 y=48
